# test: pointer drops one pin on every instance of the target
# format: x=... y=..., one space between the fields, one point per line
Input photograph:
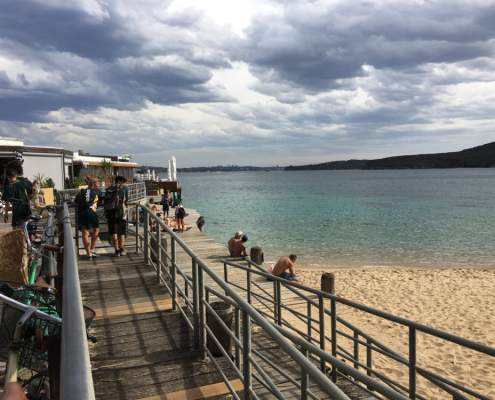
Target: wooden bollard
x=328 y=282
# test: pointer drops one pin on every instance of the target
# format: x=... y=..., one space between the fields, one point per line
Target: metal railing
x=137 y=192
x=76 y=381
x=310 y=326
x=194 y=284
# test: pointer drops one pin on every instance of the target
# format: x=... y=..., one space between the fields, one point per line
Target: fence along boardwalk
x=144 y=349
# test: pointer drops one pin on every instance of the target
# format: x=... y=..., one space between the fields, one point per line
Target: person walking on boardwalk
x=239 y=250
x=284 y=268
x=116 y=199
x=88 y=222
x=17 y=193
x=232 y=241
x=180 y=214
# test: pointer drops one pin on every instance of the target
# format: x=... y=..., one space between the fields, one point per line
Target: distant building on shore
x=103 y=167
x=38 y=161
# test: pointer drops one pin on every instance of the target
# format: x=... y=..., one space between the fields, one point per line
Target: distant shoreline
x=476 y=157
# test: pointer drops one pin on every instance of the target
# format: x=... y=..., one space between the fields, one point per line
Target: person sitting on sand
x=239 y=250
x=233 y=240
x=285 y=264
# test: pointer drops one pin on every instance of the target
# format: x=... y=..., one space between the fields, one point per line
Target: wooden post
x=328 y=283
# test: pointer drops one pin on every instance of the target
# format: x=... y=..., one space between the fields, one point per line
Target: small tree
x=40 y=178
x=107 y=169
x=48 y=183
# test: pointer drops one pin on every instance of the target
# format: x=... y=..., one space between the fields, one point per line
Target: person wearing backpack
x=116 y=199
x=180 y=214
x=88 y=223
x=18 y=192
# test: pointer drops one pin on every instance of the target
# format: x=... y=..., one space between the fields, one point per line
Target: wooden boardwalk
x=144 y=349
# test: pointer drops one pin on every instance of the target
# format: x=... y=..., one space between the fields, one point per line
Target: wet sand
x=459 y=301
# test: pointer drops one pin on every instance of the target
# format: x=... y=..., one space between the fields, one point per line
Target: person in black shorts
x=165 y=204
x=88 y=223
x=116 y=198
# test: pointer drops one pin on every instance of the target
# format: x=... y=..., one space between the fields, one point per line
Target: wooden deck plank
x=134 y=308
x=202 y=392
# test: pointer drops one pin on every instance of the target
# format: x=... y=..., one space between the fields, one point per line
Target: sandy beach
x=459 y=301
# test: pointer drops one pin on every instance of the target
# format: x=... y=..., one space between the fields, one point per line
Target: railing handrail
x=24 y=307
x=480 y=347
x=317 y=376
x=137 y=191
x=76 y=380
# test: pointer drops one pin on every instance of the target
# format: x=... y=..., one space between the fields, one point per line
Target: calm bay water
x=410 y=218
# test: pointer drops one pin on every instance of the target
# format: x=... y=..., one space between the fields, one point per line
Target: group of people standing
x=283 y=268
x=167 y=201
x=115 y=203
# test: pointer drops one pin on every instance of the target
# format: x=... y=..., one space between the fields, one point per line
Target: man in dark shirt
x=116 y=198
x=87 y=201
x=18 y=192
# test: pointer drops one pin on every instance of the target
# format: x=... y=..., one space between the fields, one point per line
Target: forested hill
x=476 y=157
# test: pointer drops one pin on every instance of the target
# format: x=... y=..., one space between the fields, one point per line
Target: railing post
x=246 y=362
x=202 y=313
x=136 y=226
x=248 y=284
x=310 y=323
x=237 y=328
x=173 y=273
x=412 y=362
x=195 y=303
x=333 y=321
x=356 y=350
x=278 y=303
x=321 y=309
x=146 y=238
x=76 y=229
x=369 y=357
x=304 y=378
x=158 y=254
x=225 y=273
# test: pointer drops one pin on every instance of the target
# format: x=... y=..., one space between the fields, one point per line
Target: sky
x=248 y=82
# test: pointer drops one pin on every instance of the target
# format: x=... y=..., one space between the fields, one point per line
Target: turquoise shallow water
x=410 y=218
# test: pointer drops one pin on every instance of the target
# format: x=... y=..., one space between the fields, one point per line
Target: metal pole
x=172 y=274
x=158 y=255
x=275 y=297
x=310 y=325
x=412 y=362
x=237 y=328
x=225 y=274
x=248 y=285
x=321 y=309
x=356 y=350
x=76 y=223
x=146 y=238
x=278 y=303
x=136 y=226
x=304 y=379
x=202 y=313
x=246 y=362
x=369 y=357
x=333 y=322
x=195 y=302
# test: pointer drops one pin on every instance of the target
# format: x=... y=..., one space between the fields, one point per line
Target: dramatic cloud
x=255 y=82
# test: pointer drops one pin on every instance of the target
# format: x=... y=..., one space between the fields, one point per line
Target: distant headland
x=475 y=157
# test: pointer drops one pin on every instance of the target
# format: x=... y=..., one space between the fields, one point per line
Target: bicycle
x=24 y=332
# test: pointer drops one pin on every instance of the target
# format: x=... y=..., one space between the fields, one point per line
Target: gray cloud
x=314 y=47
x=101 y=60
